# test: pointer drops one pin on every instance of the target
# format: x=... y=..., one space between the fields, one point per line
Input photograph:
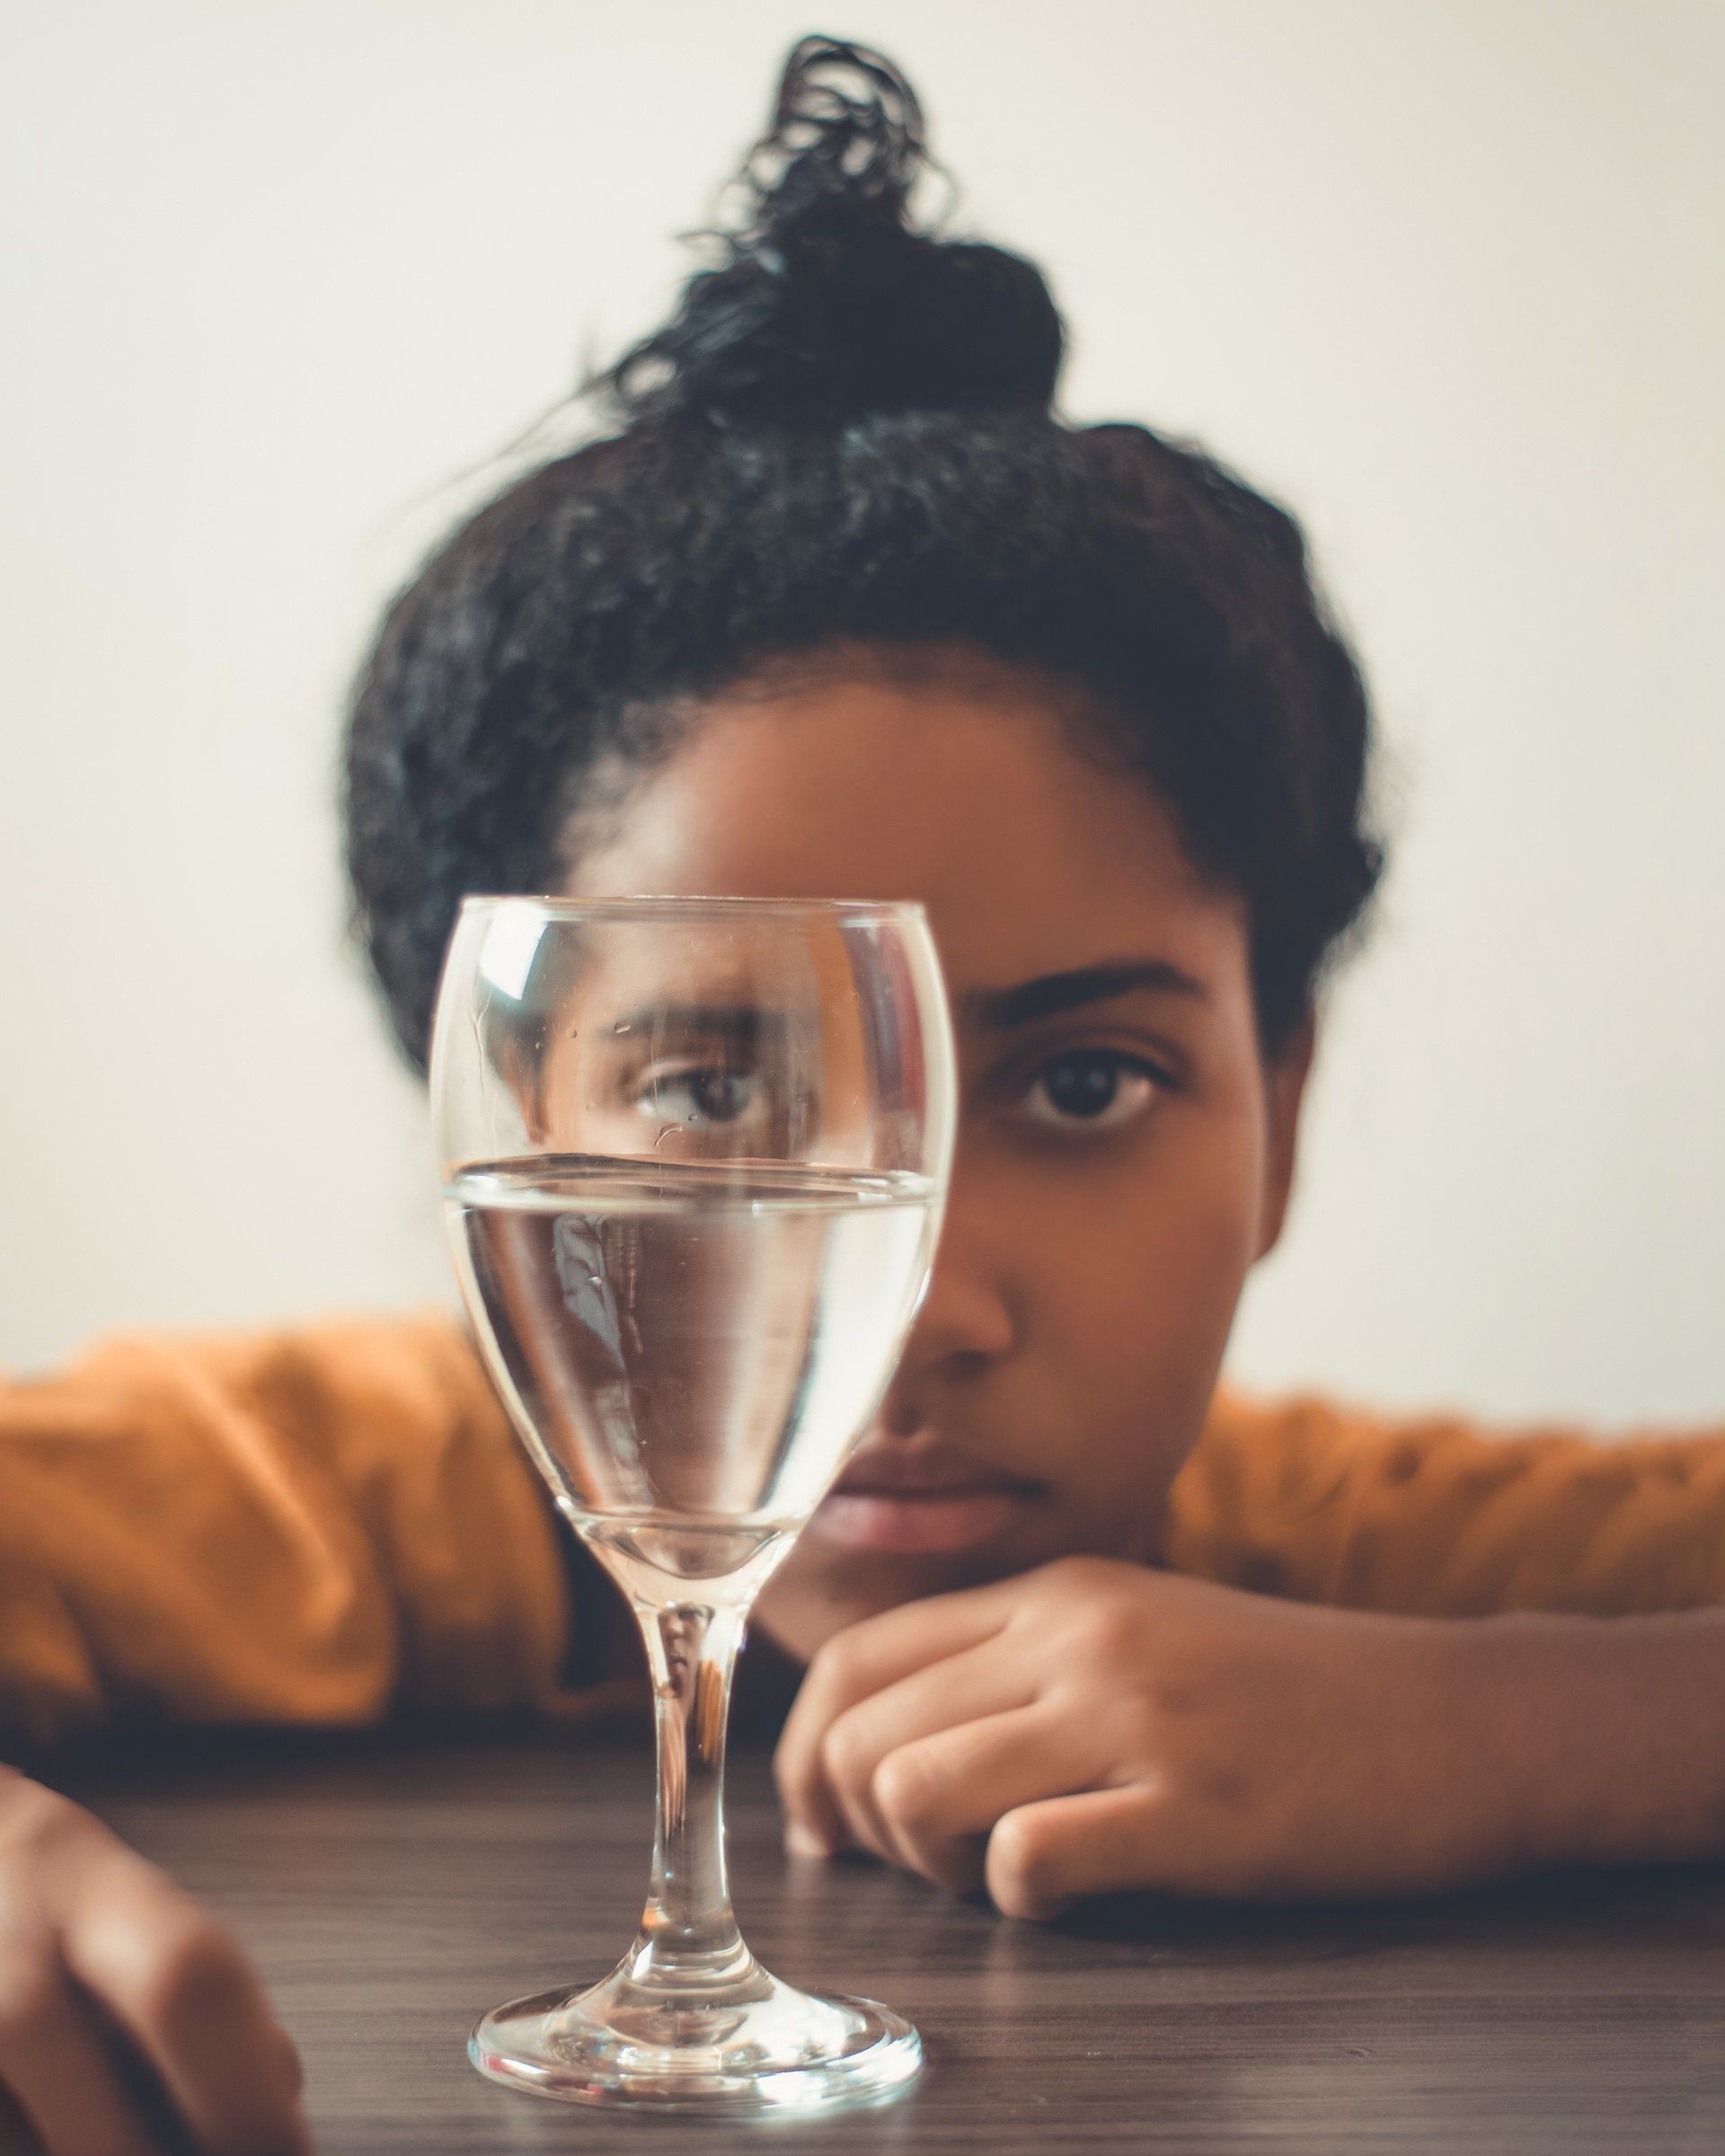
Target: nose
x=965 y=1325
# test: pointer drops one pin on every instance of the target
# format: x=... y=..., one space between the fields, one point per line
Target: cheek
x=1133 y=1292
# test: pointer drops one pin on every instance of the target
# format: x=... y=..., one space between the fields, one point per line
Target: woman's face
x=1124 y=1155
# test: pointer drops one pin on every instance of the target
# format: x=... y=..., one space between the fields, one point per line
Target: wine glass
x=694 y=1154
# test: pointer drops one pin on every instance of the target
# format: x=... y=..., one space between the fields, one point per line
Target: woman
x=834 y=602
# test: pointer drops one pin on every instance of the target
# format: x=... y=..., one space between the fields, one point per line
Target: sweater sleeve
x=308 y=1527
x=1435 y=1516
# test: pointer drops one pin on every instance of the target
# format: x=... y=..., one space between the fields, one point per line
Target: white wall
x=1446 y=273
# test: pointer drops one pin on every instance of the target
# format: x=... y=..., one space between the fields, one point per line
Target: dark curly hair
x=845 y=434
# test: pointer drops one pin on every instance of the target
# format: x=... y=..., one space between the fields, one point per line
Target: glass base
x=751 y=2046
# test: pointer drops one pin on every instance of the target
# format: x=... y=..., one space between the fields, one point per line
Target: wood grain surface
x=393 y=1889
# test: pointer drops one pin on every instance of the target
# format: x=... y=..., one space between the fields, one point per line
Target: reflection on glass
x=694 y=1156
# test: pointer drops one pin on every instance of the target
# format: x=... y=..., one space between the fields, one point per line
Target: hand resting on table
x=114 y=1983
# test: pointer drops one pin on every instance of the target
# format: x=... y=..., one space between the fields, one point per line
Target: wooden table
x=391 y=1890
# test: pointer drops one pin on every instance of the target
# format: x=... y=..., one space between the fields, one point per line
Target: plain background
x=1443 y=274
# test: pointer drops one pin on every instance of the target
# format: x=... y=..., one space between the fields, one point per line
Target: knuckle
x=192 y=1972
x=831 y=1664
x=1107 y=1628
x=846 y=1751
x=905 y=1787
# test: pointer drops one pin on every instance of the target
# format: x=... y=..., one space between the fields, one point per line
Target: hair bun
x=827 y=303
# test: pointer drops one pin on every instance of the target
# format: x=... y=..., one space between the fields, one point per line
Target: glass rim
x=653 y=905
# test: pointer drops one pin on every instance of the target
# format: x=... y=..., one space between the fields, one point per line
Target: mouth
x=921 y=1496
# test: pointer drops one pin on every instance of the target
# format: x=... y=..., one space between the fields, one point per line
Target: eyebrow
x=739 y=1024
x=1049 y=993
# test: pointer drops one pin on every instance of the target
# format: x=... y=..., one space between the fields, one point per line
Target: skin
x=1088 y=1272
x=1040 y=1712
x=1043 y=1712
x=121 y=2001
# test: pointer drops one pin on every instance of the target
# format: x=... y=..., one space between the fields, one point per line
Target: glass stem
x=689 y=1938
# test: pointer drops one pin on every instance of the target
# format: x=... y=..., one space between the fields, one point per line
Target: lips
x=923 y=1494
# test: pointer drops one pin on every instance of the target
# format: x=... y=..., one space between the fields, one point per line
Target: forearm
x=1612 y=1730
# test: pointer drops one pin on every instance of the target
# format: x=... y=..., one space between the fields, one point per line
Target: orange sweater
x=320 y=1525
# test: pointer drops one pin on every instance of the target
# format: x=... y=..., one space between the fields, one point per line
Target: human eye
x=1083 y=1091
x=699 y=1095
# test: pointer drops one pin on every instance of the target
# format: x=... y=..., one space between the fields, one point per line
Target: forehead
x=964 y=791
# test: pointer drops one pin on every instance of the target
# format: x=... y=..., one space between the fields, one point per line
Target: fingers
x=57 y=2064
x=939 y=1797
x=1043 y=1856
x=854 y=1666
x=185 y=1996
x=860 y=1747
x=127 y=2017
